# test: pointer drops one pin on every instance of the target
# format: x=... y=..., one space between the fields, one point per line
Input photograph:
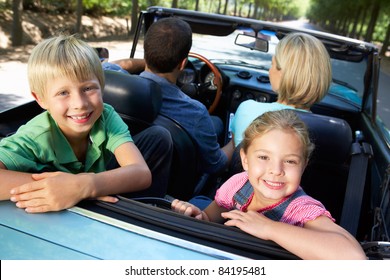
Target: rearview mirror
x=251 y=42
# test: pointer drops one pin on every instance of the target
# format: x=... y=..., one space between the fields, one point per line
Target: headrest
x=332 y=137
x=132 y=95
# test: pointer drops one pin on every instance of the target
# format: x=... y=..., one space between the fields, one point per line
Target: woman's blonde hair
x=306 y=70
x=281 y=120
x=62 y=56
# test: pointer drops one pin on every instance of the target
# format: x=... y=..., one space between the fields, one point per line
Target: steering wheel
x=217 y=79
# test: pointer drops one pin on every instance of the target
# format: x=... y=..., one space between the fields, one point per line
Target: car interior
x=138 y=100
x=337 y=174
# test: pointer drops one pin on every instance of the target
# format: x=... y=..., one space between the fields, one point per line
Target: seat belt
x=360 y=155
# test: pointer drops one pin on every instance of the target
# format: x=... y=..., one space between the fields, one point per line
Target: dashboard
x=240 y=82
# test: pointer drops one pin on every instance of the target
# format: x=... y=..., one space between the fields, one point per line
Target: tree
x=134 y=16
x=175 y=3
x=196 y=5
x=373 y=19
x=358 y=13
x=225 y=7
x=17 y=29
x=385 y=45
x=79 y=15
x=219 y=6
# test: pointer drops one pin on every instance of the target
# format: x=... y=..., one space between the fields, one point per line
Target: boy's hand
x=51 y=191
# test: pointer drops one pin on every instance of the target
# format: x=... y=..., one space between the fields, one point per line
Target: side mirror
x=251 y=42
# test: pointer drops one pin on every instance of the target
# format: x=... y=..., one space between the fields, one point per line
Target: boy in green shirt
x=60 y=156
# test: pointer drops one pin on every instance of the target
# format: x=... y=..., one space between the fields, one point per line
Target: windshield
x=348 y=79
x=224 y=48
x=347 y=76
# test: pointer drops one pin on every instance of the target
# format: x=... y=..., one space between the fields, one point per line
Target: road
x=14 y=89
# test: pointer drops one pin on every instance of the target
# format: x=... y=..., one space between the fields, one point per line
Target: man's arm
x=131 y=65
x=228 y=149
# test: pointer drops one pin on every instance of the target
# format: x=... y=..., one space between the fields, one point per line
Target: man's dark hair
x=167 y=42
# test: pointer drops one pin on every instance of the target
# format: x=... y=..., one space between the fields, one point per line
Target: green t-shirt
x=40 y=146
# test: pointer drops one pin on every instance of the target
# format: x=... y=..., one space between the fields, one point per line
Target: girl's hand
x=107 y=198
x=251 y=222
x=188 y=209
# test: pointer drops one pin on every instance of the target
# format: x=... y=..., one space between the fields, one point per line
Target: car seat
x=326 y=175
x=135 y=99
x=138 y=101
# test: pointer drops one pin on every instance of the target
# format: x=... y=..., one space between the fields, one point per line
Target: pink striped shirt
x=298 y=212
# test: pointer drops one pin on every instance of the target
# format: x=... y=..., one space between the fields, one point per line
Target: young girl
x=266 y=200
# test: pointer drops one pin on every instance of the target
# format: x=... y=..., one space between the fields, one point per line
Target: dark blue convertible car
x=349 y=171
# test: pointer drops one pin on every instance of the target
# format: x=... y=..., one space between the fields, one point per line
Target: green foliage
x=381 y=28
x=341 y=17
x=107 y=7
x=344 y=17
x=4 y=5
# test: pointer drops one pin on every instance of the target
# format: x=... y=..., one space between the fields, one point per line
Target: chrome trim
x=156 y=235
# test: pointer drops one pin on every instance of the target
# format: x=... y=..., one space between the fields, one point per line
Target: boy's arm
x=132 y=175
x=11 y=179
x=53 y=191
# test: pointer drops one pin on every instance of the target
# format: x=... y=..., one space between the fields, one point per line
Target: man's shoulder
x=175 y=100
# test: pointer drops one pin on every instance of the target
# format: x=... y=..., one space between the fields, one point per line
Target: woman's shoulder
x=258 y=108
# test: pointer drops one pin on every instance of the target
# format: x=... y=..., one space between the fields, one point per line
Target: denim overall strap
x=242 y=196
x=277 y=212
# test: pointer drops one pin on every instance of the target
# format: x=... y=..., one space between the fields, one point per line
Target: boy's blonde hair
x=282 y=120
x=62 y=56
x=306 y=70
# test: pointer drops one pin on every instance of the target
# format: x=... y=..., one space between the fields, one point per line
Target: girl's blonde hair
x=306 y=70
x=282 y=120
x=62 y=56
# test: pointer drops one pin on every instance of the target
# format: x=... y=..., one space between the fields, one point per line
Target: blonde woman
x=300 y=74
